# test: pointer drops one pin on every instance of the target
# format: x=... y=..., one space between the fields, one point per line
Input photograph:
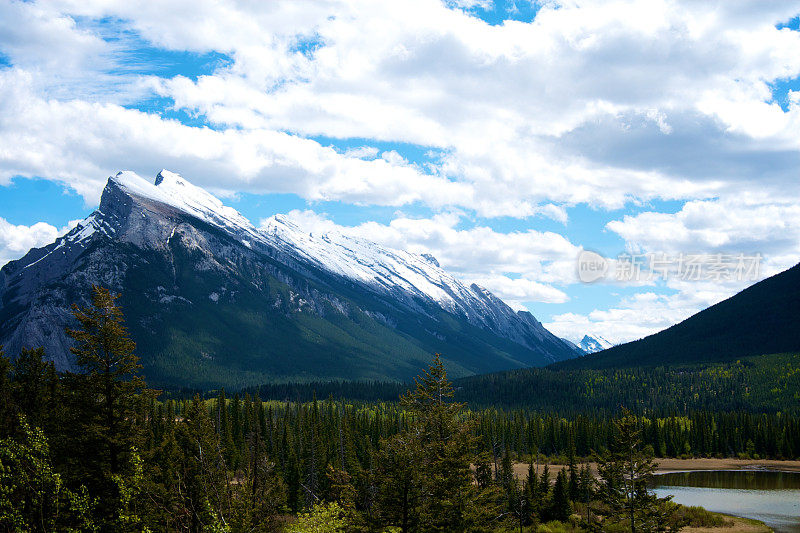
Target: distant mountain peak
x=594 y=343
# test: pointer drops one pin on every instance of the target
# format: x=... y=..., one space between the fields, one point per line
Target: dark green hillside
x=764 y=318
x=761 y=384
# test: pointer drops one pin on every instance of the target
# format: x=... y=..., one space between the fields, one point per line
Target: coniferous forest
x=100 y=451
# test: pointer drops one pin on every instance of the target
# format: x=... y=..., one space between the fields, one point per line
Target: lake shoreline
x=766 y=492
x=739 y=525
x=670 y=466
x=665 y=466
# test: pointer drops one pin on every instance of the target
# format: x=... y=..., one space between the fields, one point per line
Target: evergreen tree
x=7 y=406
x=223 y=428
x=544 y=489
x=561 y=509
x=237 y=433
x=586 y=482
x=261 y=494
x=315 y=456
x=533 y=495
x=507 y=475
x=447 y=451
x=165 y=482
x=483 y=471
x=105 y=397
x=342 y=491
x=400 y=487
x=573 y=488
x=34 y=391
x=204 y=483
x=432 y=484
x=292 y=477
x=626 y=474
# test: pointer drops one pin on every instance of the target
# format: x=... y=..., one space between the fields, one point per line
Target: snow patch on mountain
x=595 y=343
x=382 y=268
x=79 y=235
x=171 y=189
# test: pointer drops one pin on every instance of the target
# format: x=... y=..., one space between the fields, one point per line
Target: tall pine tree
x=106 y=398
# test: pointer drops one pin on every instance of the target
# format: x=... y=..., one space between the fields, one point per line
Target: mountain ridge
x=761 y=319
x=197 y=276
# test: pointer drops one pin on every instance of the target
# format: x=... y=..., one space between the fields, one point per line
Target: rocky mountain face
x=593 y=344
x=212 y=300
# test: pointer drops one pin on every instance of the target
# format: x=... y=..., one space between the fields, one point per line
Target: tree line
x=98 y=450
x=762 y=384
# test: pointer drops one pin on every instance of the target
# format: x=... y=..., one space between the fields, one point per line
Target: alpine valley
x=211 y=300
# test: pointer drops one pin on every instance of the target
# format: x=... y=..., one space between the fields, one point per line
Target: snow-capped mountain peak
x=173 y=190
x=595 y=343
x=414 y=280
x=379 y=267
x=301 y=304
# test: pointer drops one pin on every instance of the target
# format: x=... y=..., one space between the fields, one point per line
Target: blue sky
x=502 y=137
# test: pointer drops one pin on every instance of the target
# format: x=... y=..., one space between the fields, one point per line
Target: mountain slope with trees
x=762 y=319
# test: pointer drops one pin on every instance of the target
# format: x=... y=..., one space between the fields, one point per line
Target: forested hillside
x=764 y=318
x=768 y=383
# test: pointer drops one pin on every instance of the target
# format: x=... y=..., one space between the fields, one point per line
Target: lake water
x=772 y=497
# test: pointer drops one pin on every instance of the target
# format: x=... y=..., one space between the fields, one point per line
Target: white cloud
x=65 y=60
x=16 y=240
x=519 y=290
x=749 y=225
x=639 y=315
x=500 y=98
x=471 y=4
x=81 y=143
x=516 y=108
x=362 y=152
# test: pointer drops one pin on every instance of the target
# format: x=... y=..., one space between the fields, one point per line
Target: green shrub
x=554 y=526
x=699 y=517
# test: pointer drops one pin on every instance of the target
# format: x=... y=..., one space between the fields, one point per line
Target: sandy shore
x=688 y=465
x=740 y=525
x=683 y=465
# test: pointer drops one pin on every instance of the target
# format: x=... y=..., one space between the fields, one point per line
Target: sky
x=507 y=138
